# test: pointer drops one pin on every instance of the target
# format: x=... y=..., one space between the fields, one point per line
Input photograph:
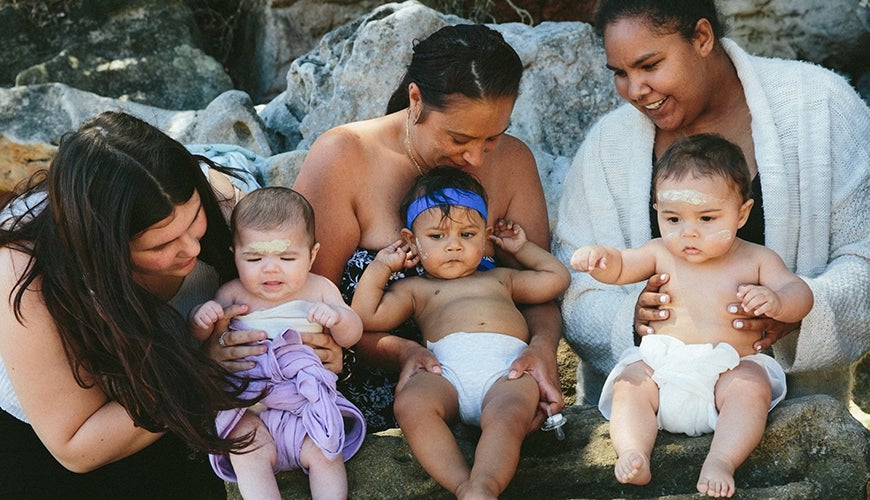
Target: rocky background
x=271 y=75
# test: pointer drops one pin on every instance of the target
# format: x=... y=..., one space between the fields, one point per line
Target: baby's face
x=699 y=217
x=273 y=264
x=450 y=247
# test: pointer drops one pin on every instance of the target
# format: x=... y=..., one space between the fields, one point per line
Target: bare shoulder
x=337 y=161
x=12 y=265
x=322 y=286
x=759 y=254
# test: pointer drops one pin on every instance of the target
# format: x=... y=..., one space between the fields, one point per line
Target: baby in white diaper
x=471 y=324
x=695 y=375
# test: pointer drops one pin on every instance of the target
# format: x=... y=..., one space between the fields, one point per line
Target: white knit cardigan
x=812 y=144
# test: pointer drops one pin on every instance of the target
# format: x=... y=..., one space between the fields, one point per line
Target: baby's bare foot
x=632 y=468
x=716 y=479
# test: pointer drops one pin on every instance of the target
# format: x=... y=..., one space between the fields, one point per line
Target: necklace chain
x=408 y=143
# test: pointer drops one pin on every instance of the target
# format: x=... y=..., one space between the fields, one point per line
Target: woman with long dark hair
x=104 y=392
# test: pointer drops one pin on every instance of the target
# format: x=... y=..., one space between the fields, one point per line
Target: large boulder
x=351 y=73
x=273 y=33
x=833 y=33
x=812 y=448
x=33 y=118
x=144 y=51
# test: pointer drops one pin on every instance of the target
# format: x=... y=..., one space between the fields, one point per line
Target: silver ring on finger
x=221 y=339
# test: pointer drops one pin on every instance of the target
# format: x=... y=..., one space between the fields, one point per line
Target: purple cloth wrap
x=302 y=401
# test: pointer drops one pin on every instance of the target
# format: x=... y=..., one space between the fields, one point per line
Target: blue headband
x=451 y=197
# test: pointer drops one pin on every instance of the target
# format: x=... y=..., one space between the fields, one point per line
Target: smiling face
x=660 y=74
x=461 y=134
x=273 y=264
x=699 y=217
x=449 y=247
x=169 y=248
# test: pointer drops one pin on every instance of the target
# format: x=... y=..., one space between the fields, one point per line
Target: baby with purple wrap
x=302 y=422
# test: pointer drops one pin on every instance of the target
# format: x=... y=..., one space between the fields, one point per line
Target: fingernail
x=663 y=299
x=738 y=324
x=663 y=276
x=649 y=331
x=732 y=309
x=758 y=348
x=663 y=314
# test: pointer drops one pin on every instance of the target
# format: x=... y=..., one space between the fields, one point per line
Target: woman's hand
x=541 y=365
x=230 y=347
x=771 y=329
x=416 y=359
x=647 y=309
x=327 y=349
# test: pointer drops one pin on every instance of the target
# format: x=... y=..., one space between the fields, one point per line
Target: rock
x=273 y=33
x=812 y=448
x=19 y=160
x=833 y=33
x=141 y=51
x=352 y=72
x=33 y=118
x=21 y=41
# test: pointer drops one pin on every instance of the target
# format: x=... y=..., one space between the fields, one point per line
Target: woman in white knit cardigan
x=806 y=135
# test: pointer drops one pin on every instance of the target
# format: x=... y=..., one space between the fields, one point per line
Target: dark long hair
x=663 y=16
x=471 y=60
x=109 y=181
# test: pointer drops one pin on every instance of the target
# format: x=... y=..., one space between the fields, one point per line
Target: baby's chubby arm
x=544 y=278
x=610 y=265
x=382 y=310
x=781 y=294
x=203 y=317
x=331 y=312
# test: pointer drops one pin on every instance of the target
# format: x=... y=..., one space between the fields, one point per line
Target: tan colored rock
x=19 y=160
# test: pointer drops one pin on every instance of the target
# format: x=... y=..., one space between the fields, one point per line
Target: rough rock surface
x=812 y=448
x=141 y=51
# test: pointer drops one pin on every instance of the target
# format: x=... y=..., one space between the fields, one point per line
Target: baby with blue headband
x=470 y=322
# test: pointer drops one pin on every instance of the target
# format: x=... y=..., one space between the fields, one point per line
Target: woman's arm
x=328 y=181
x=526 y=205
x=80 y=427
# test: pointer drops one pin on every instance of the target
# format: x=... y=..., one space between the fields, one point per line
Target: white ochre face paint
x=268 y=247
x=423 y=256
x=723 y=235
x=690 y=196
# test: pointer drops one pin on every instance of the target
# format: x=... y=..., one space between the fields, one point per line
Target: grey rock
x=351 y=74
x=276 y=32
x=812 y=448
x=833 y=33
x=21 y=41
x=142 y=51
x=34 y=117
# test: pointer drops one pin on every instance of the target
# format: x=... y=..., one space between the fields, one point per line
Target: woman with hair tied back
x=104 y=391
x=805 y=134
x=452 y=108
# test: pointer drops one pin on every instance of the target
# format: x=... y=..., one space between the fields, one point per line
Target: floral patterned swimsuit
x=368 y=387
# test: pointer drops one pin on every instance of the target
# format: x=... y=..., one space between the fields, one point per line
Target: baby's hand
x=207 y=315
x=759 y=300
x=398 y=255
x=586 y=259
x=508 y=236
x=323 y=314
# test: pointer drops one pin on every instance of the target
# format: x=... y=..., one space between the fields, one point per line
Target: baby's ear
x=314 y=249
x=744 y=212
x=407 y=236
x=489 y=231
